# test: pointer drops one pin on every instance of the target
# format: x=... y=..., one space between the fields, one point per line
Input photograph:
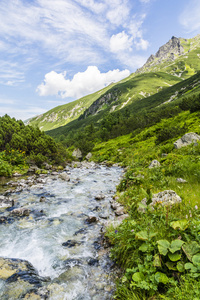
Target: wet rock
x=71 y=262
x=6 y=220
x=71 y=243
x=12 y=269
x=64 y=177
x=187 y=139
x=6 y=202
x=154 y=164
x=181 y=180
x=80 y=231
x=104 y=216
x=54 y=173
x=115 y=205
x=91 y=219
x=93 y=262
x=21 y=212
x=100 y=197
x=42 y=199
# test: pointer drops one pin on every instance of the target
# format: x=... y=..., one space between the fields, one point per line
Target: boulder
x=91 y=219
x=64 y=177
x=71 y=243
x=186 y=140
x=167 y=197
x=154 y=164
x=77 y=153
x=21 y=212
x=100 y=197
x=88 y=156
x=6 y=202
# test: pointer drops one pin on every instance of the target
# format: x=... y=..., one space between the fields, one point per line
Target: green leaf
x=171 y=265
x=156 y=261
x=144 y=247
x=138 y=276
x=196 y=259
x=180 y=224
x=189 y=266
x=175 y=245
x=163 y=246
x=174 y=256
x=180 y=266
x=191 y=249
x=141 y=235
x=161 y=278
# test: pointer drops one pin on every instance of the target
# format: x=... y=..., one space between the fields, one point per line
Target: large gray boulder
x=167 y=197
x=154 y=164
x=186 y=140
x=77 y=153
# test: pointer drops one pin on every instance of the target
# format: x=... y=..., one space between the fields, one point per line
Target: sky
x=55 y=51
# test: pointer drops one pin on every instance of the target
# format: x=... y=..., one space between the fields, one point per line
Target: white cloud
x=83 y=83
x=142 y=44
x=189 y=17
x=120 y=42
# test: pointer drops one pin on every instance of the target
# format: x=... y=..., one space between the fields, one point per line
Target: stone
x=167 y=197
x=21 y=212
x=88 y=156
x=186 y=140
x=71 y=243
x=17 y=174
x=154 y=164
x=64 y=177
x=119 y=211
x=93 y=262
x=91 y=219
x=42 y=199
x=6 y=202
x=100 y=197
x=181 y=180
x=33 y=169
x=77 y=153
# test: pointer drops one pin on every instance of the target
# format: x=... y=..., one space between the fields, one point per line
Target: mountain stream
x=57 y=240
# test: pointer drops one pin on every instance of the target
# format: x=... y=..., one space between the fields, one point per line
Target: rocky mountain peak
x=167 y=52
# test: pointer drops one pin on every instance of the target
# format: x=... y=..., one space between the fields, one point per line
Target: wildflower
x=186 y=216
x=196 y=207
x=132 y=230
x=190 y=215
x=116 y=231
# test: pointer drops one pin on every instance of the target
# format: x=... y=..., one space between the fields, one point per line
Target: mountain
x=179 y=57
x=175 y=61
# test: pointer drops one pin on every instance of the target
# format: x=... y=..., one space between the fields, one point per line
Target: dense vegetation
x=158 y=250
x=21 y=145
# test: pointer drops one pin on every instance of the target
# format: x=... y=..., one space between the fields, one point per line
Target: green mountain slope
x=175 y=61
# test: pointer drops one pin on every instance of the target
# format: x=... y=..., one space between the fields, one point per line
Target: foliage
x=19 y=142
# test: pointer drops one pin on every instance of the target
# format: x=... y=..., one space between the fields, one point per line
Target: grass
x=136 y=151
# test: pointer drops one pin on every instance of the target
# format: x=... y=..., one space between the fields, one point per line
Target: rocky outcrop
x=98 y=105
x=167 y=52
x=186 y=140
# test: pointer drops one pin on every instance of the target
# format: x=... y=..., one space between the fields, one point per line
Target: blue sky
x=56 y=51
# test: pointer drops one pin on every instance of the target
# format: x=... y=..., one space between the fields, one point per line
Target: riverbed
x=60 y=235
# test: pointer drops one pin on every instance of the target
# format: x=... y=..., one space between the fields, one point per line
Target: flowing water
x=56 y=239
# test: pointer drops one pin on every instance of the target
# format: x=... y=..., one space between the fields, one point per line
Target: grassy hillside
x=66 y=113
x=142 y=244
